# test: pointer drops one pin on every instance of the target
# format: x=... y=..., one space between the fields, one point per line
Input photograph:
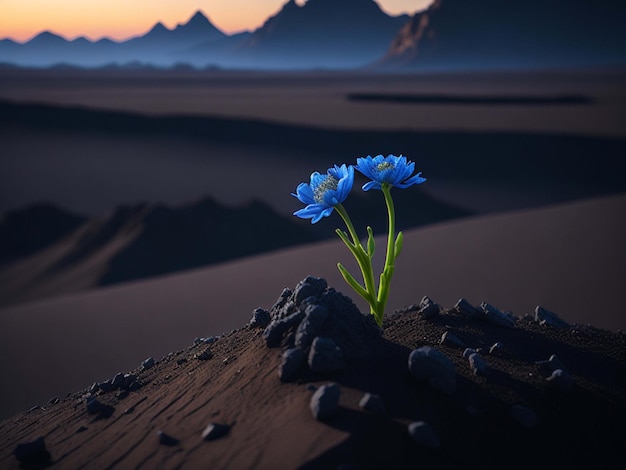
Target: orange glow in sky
x=121 y=19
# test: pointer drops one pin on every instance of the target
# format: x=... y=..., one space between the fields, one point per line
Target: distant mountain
x=45 y=251
x=322 y=33
x=145 y=240
x=159 y=46
x=457 y=34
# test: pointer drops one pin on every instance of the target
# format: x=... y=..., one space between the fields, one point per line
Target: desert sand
x=532 y=393
x=569 y=259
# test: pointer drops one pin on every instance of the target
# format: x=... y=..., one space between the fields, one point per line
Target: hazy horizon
x=22 y=20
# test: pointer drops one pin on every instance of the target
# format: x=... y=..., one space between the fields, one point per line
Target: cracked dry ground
x=272 y=427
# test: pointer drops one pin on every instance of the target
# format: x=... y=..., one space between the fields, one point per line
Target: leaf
x=398 y=245
x=354 y=283
x=371 y=243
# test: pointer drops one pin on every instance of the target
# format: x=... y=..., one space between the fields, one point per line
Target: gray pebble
x=450 y=339
x=117 y=381
x=325 y=356
x=214 y=431
x=546 y=317
x=148 y=363
x=260 y=318
x=434 y=367
x=204 y=355
x=309 y=287
x=494 y=316
x=562 y=380
x=325 y=401
x=467 y=309
x=478 y=365
x=291 y=363
x=166 y=439
x=468 y=352
x=422 y=434
x=373 y=403
x=275 y=331
x=428 y=308
x=497 y=349
x=549 y=366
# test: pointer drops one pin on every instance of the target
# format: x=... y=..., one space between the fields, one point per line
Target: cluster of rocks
x=318 y=327
x=315 y=333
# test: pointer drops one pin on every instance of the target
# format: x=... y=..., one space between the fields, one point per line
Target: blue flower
x=396 y=171
x=324 y=192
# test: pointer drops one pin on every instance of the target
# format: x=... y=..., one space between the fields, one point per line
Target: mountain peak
x=158 y=28
x=199 y=16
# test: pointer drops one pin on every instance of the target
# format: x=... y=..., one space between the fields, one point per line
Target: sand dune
x=571 y=259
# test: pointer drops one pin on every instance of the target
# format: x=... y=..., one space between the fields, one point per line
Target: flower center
x=384 y=166
x=329 y=183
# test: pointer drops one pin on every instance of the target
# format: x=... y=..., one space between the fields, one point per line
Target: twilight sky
x=120 y=19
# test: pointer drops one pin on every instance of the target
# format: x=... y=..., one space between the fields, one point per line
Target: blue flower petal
x=392 y=170
x=324 y=192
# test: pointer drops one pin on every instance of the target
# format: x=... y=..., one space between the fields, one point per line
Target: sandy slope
x=512 y=416
x=570 y=259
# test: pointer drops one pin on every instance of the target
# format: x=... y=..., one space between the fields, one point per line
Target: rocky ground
x=311 y=382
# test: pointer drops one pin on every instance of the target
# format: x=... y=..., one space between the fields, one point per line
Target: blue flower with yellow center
x=324 y=192
x=395 y=171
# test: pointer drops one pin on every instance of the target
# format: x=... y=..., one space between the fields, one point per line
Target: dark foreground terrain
x=533 y=391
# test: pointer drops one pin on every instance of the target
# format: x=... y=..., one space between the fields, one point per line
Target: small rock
x=129 y=379
x=524 y=416
x=325 y=401
x=467 y=309
x=468 y=352
x=497 y=349
x=93 y=406
x=210 y=340
x=204 y=355
x=166 y=439
x=315 y=316
x=148 y=363
x=546 y=317
x=53 y=401
x=478 y=365
x=291 y=363
x=197 y=340
x=80 y=429
x=33 y=408
x=33 y=454
x=94 y=388
x=309 y=287
x=181 y=361
x=214 y=431
x=117 y=381
x=102 y=411
x=434 y=367
x=373 y=403
x=325 y=356
x=549 y=366
x=496 y=317
x=428 y=308
x=105 y=386
x=450 y=339
x=260 y=318
x=275 y=331
x=562 y=380
x=422 y=434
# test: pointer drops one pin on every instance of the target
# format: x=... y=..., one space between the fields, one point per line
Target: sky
x=121 y=19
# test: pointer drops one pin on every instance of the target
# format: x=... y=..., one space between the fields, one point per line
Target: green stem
x=362 y=258
x=385 y=277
